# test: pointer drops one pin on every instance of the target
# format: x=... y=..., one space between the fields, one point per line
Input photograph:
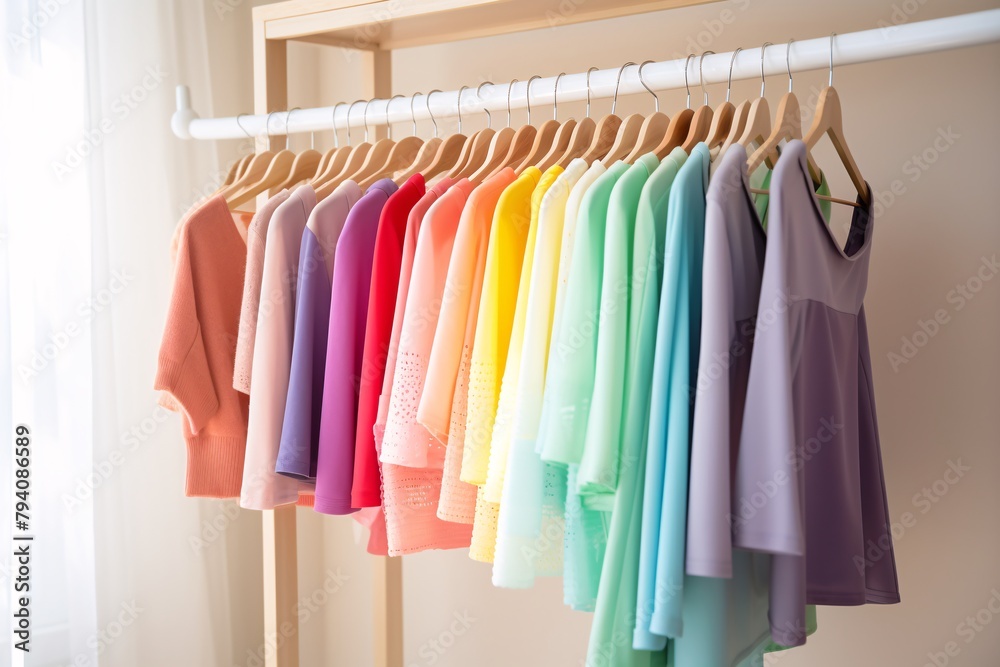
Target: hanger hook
x=509 y=88
x=788 y=63
x=460 y=91
x=686 y=86
x=614 y=100
x=312 y=135
x=238 y=116
x=701 y=75
x=830 y=81
x=388 y=125
x=729 y=86
x=592 y=69
x=349 y=109
x=489 y=116
x=267 y=127
x=413 y=116
x=762 y=48
x=527 y=95
x=555 y=97
x=656 y=100
x=364 y=116
x=429 y=112
x=333 y=121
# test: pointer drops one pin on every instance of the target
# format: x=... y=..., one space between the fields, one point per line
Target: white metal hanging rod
x=811 y=54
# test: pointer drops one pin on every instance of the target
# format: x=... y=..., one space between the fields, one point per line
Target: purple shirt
x=300 y=427
x=352 y=275
x=809 y=486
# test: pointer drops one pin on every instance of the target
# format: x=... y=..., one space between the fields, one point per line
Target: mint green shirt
x=597 y=477
x=614 y=616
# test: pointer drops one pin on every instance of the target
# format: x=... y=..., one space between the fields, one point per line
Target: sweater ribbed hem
x=215 y=466
x=197 y=399
x=327 y=505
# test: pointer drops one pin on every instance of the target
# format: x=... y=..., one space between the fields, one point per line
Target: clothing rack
x=374 y=28
x=812 y=54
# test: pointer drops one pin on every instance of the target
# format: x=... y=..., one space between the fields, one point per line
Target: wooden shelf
x=394 y=24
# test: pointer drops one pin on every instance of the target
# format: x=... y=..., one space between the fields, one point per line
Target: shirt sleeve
x=182 y=367
x=243 y=362
x=709 y=541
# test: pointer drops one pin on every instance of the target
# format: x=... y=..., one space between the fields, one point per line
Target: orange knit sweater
x=195 y=366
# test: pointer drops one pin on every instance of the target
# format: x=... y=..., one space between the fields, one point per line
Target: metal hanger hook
x=701 y=75
x=267 y=126
x=762 y=48
x=729 y=86
x=312 y=135
x=830 y=81
x=555 y=97
x=592 y=69
x=238 y=116
x=429 y=112
x=618 y=81
x=686 y=86
x=509 y=88
x=333 y=121
x=656 y=100
x=387 y=123
x=489 y=116
x=788 y=63
x=349 y=109
x=460 y=91
x=413 y=116
x=364 y=117
x=527 y=95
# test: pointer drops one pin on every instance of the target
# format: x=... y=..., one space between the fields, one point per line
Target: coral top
x=195 y=364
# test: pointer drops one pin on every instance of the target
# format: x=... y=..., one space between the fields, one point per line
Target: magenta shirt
x=352 y=269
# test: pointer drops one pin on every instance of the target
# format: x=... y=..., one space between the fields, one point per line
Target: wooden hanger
x=500 y=148
x=352 y=161
x=788 y=126
x=725 y=113
x=378 y=156
x=701 y=121
x=736 y=129
x=430 y=150
x=579 y=141
x=628 y=131
x=544 y=136
x=758 y=123
x=305 y=164
x=278 y=168
x=605 y=131
x=402 y=155
x=477 y=148
x=564 y=134
x=239 y=167
x=334 y=159
x=654 y=127
x=829 y=120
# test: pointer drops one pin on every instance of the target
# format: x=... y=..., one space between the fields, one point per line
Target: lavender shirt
x=352 y=274
x=809 y=486
x=300 y=427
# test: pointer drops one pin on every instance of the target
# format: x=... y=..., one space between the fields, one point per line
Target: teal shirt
x=675 y=360
x=597 y=477
x=614 y=618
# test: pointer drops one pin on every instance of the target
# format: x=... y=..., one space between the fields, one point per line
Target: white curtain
x=92 y=184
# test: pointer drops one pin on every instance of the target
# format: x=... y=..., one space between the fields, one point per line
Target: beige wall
x=937 y=409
